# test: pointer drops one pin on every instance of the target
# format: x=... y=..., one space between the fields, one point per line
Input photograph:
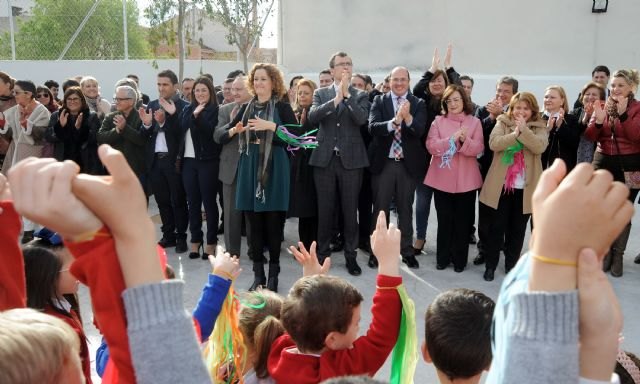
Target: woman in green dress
x=263 y=169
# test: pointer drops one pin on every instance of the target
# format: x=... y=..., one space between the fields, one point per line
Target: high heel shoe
x=196 y=254
x=205 y=255
x=417 y=251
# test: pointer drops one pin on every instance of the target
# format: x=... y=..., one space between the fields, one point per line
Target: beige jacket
x=535 y=141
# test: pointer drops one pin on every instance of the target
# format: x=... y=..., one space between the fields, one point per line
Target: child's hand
x=42 y=193
x=385 y=244
x=586 y=209
x=309 y=260
x=600 y=319
x=225 y=265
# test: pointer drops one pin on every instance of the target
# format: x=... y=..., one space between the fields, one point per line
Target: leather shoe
x=637 y=259
x=488 y=275
x=458 y=269
x=373 y=261
x=440 y=267
x=181 y=246
x=479 y=260
x=353 y=268
x=410 y=261
x=166 y=243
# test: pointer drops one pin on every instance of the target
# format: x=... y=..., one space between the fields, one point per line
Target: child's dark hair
x=259 y=323
x=316 y=306
x=41 y=269
x=458 y=332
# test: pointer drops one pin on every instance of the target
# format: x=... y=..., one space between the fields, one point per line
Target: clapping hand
x=309 y=260
x=159 y=115
x=78 y=123
x=258 y=124
x=146 y=116
x=168 y=105
x=599 y=112
x=119 y=121
x=199 y=109
x=64 y=118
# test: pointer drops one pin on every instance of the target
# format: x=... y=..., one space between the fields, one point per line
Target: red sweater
x=366 y=357
x=13 y=289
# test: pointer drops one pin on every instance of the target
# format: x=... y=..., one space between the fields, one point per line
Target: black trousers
x=508 y=226
x=395 y=181
x=200 y=179
x=169 y=193
x=453 y=226
x=365 y=209
x=333 y=183
x=308 y=230
x=266 y=229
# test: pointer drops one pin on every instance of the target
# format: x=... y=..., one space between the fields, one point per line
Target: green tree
x=244 y=21
x=44 y=35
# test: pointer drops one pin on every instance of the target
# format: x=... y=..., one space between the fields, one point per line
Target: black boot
x=617 y=251
x=272 y=282
x=259 y=279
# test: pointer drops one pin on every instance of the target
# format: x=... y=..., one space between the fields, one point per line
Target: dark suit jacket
x=339 y=128
x=412 y=148
x=229 y=156
x=171 y=128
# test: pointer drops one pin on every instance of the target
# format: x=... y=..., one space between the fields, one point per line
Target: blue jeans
x=424 y=194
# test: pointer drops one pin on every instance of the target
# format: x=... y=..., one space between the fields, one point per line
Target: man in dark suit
x=339 y=110
x=229 y=157
x=397 y=121
x=161 y=124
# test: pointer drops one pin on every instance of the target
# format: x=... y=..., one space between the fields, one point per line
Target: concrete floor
x=422 y=285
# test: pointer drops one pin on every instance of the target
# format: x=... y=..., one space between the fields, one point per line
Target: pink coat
x=464 y=174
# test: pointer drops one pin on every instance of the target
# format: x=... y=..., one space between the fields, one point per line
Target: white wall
x=108 y=72
x=540 y=42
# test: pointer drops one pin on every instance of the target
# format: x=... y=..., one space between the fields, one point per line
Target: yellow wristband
x=225 y=274
x=550 y=260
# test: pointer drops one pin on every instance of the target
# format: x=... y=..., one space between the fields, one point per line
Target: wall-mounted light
x=599 y=6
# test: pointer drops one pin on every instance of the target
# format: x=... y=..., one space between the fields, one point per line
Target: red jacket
x=368 y=354
x=627 y=130
x=13 y=289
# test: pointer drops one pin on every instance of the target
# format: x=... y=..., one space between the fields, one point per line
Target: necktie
x=396 y=146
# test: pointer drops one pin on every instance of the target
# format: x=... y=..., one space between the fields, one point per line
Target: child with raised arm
x=321 y=317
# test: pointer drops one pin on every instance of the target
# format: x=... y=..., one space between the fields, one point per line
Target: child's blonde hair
x=35 y=347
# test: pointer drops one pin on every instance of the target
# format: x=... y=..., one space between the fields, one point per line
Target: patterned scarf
x=513 y=157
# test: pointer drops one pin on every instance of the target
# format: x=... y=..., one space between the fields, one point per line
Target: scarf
x=453 y=149
x=404 y=357
x=513 y=156
x=266 y=111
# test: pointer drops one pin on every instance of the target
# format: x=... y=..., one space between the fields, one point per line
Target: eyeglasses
x=344 y=65
x=74 y=99
x=41 y=95
x=119 y=99
x=451 y=101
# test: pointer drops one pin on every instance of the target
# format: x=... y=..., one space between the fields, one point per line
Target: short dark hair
x=458 y=332
x=74 y=91
x=27 y=85
x=467 y=77
x=51 y=83
x=208 y=76
x=135 y=77
x=467 y=106
x=188 y=79
x=360 y=76
x=228 y=80
x=509 y=81
x=324 y=72
x=316 y=306
x=69 y=83
x=169 y=74
x=601 y=68
x=368 y=79
x=236 y=73
x=332 y=61
x=293 y=79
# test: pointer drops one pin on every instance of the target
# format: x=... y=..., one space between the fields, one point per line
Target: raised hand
x=599 y=112
x=79 y=121
x=63 y=118
x=160 y=116
x=494 y=108
x=41 y=190
x=344 y=83
x=225 y=265
x=145 y=116
x=199 y=109
x=119 y=121
x=309 y=260
x=385 y=244
x=168 y=105
x=447 y=57
x=435 y=61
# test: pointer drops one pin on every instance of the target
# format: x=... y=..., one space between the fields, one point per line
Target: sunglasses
x=41 y=95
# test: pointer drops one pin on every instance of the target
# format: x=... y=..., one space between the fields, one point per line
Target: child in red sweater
x=321 y=317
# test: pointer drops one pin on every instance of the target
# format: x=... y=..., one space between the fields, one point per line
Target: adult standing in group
x=325 y=78
x=397 y=122
x=91 y=90
x=506 y=87
x=199 y=162
x=591 y=94
x=187 y=87
x=562 y=127
x=229 y=158
x=599 y=75
x=455 y=140
x=72 y=132
x=121 y=130
x=616 y=129
x=339 y=111
x=263 y=170
x=26 y=123
x=161 y=126
x=7 y=100
x=45 y=97
x=303 y=203
x=430 y=88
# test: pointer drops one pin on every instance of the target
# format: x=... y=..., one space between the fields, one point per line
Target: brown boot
x=617 y=251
